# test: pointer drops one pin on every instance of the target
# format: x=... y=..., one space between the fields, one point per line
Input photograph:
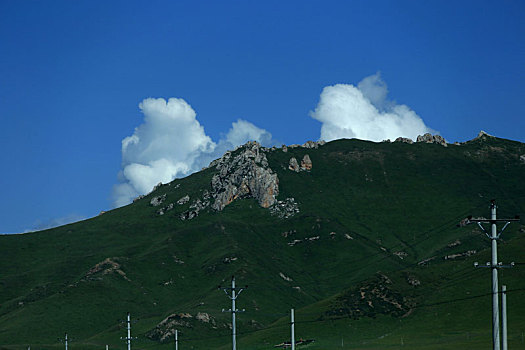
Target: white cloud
x=364 y=112
x=171 y=143
x=243 y=131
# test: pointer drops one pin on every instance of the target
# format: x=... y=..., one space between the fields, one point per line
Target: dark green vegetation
x=380 y=211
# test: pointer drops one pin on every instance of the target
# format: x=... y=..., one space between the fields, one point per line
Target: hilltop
x=367 y=241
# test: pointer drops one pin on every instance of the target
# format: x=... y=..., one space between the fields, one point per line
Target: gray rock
x=404 y=139
x=482 y=135
x=428 y=138
x=157 y=200
x=138 y=198
x=293 y=165
x=285 y=209
x=310 y=144
x=183 y=200
x=522 y=158
x=247 y=175
x=440 y=140
x=285 y=149
x=306 y=163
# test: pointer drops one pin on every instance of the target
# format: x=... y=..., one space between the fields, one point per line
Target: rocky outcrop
x=183 y=200
x=460 y=255
x=244 y=175
x=285 y=209
x=306 y=163
x=157 y=200
x=293 y=165
x=163 y=210
x=371 y=298
x=313 y=144
x=284 y=277
x=429 y=138
x=105 y=267
x=482 y=135
x=413 y=281
x=405 y=140
x=165 y=330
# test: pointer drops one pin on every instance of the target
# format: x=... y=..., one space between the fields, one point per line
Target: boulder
x=404 y=139
x=306 y=163
x=428 y=138
x=157 y=200
x=293 y=165
x=183 y=200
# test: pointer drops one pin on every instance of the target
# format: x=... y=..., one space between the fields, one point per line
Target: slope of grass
x=378 y=209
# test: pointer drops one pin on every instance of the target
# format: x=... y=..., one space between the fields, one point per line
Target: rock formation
x=156 y=201
x=306 y=163
x=183 y=200
x=404 y=139
x=285 y=209
x=243 y=176
x=482 y=135
x=293 y=165
x=244 y=173
x=429 y=138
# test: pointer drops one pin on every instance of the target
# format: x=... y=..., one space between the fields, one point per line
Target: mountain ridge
x=364 y=210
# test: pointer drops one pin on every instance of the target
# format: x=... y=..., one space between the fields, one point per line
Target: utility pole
x=65 y=340
x=494 y=265
x=504 y=316
x=233 y=310
x=129 y=332
x=176 y=340
x=293 y=332
x=128 y=328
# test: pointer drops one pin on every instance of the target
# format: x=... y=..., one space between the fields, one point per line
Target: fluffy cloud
x=364 y=112
x=171 y=143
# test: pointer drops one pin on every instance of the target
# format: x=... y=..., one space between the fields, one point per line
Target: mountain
x=368 y=242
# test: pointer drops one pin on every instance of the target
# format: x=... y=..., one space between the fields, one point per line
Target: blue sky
x=73 y=73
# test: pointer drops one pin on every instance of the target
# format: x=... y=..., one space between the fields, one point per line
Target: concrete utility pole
x=504 y=317
x=128 y=328
x=176 y=340
x=233 y=310
x=293 y=332
x=494 y=265
x=60 y=339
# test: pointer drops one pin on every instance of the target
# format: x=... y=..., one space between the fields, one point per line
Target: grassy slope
x=388 y=197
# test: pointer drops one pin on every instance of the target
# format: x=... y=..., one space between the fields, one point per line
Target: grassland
x=379 y=210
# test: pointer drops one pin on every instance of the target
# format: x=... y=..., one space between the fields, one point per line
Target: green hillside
x=374 y=258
